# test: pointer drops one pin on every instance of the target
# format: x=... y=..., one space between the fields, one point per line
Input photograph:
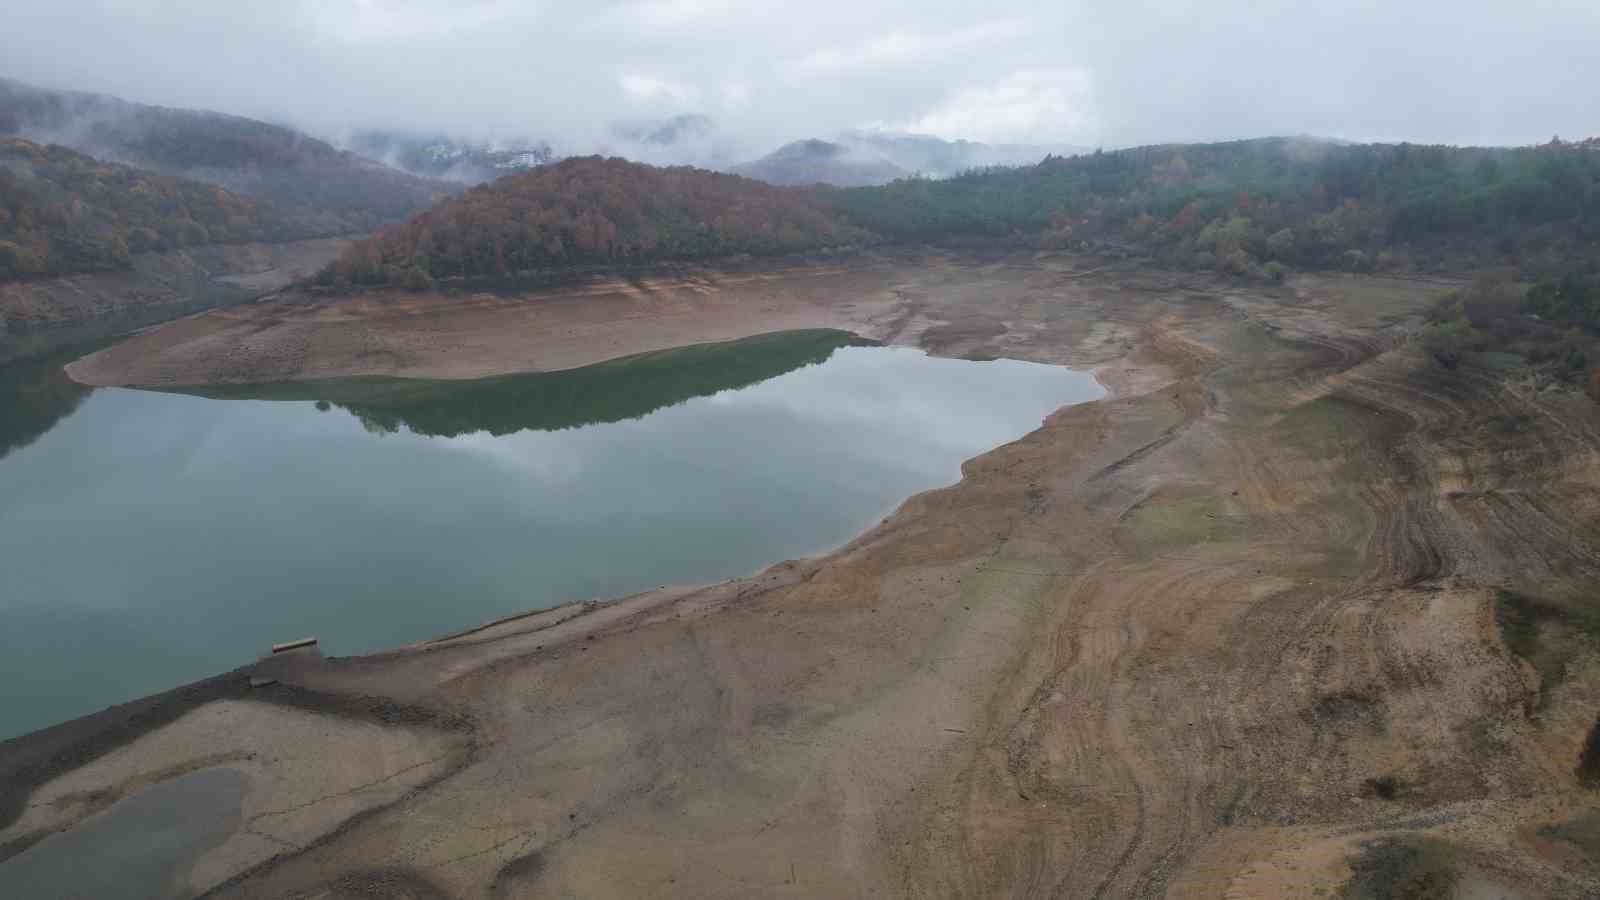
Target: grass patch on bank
x=1548 y=634
x=1334 y=425
x=1582 y=833
x=1180 y=521
x=1407 y=868
x=1498 y=361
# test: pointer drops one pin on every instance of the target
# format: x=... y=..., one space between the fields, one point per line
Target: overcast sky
x=1087 y=72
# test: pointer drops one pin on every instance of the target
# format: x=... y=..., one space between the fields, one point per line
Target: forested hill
x=593 y=211
x=1294 y=202
x=303 y=176
x=1251 y=208
x=62 y=212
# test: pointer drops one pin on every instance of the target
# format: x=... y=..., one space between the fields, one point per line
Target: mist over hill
x=822 y=162
x=848 y=159
x=303 y=176
x=867 y=158
x=673 y=131
x=442 y=156
x=1252 y=208
x=686 y=139
x=62 y=212
x=936 y=157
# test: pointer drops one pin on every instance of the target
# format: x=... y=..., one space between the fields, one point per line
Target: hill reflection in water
x=614 y=391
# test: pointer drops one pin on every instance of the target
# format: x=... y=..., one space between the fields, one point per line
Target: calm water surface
x=148 y=539
x=141 y=847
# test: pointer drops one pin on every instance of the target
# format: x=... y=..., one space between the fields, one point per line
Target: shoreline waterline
x=739 y=450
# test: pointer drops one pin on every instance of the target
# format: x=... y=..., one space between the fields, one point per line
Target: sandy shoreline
x=1162 y=646
x=471 y=336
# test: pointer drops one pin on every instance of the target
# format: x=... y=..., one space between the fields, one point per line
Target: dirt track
x=1229 y=633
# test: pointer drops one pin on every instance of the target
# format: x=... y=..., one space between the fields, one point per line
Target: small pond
x=141 y=847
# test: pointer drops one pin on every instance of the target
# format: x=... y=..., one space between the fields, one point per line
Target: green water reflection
x=34 y=395
x=608 y=392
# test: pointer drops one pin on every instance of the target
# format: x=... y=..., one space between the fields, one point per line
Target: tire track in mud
x=1331 y=356
x=1406 y=548
x=1411 y=544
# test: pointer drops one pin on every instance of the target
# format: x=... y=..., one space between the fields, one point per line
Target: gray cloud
x=1111 y=72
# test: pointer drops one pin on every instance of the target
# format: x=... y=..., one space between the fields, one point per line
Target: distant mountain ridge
x=850 y=159
x=821 y=162
x=441 y=156
x=868 y=158
x=301 y=175
x=688 y=139
x=936 y=157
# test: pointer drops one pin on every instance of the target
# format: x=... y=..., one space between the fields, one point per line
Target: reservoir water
x=148 y=539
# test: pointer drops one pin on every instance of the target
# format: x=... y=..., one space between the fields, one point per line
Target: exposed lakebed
x=153 y=538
